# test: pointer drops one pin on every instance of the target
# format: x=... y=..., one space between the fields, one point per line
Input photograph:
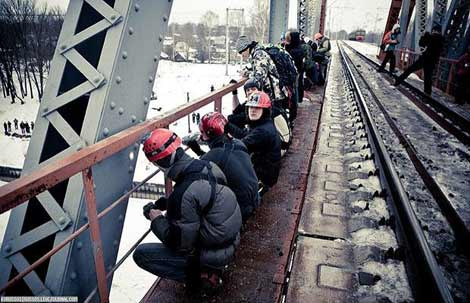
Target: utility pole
x=227 y=42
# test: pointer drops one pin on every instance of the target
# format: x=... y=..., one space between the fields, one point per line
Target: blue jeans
x=159 y=260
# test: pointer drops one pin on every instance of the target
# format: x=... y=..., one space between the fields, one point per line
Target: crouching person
x=261 y=139
x=201 y=227
x=231 y=156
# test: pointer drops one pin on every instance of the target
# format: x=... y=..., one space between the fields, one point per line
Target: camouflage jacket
x=264 y=71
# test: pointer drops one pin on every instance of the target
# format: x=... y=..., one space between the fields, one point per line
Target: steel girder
x=421 y=15
x=101 y=78
x=405 y=17
x=302 y=15
x=309 y=16
x=278 y=18
x=454 y=27
x=440 y=7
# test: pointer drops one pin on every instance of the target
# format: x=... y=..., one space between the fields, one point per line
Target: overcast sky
x=345 y=14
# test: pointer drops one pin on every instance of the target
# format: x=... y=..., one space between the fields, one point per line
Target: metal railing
x=28 y=186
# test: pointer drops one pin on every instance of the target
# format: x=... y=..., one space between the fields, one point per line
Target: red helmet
x=259 y=99
x=160 y=144
x=212 y=125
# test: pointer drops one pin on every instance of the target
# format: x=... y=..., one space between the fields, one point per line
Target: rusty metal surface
x=258 y=272
x=90 y=199
x=28 y=186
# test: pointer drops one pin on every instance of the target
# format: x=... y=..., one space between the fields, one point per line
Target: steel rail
x=430 y=272
x=43 y=178
x=456 y=222
x=430 y=106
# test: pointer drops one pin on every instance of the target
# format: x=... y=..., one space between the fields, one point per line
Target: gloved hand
x=161 y=203
x=235 y=91
x=190 y=137
x=147 y=207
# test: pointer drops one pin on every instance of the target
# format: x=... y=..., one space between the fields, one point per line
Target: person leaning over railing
x=201 y=228
x=261 y=139
x=231 y=156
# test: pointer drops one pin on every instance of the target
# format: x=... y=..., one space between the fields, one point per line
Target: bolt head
x=45 y=109
x=121 y=110
x=113 y=17
x=112 y=105
x=63 y=46
x=150 y=79
x=106 y=131
x=146 y=100
x=137 y=7
x=8 y=248
x=97 y=80
x=118 y=79
x=124 y=55
x=62 y=220
x=73 y=275
x=131 y=30
x=133 y=118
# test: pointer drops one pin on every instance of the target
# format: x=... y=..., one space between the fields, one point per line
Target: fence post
x=218 y=105
x=95 y=234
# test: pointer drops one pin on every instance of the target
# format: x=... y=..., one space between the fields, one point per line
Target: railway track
x=453 y=122
x=427 y=266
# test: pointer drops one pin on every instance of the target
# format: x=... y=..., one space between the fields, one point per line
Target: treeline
x=28 y=36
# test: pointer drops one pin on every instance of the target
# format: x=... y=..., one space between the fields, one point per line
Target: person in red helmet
x=231 y=155
x=261 y=139
x=201 y=228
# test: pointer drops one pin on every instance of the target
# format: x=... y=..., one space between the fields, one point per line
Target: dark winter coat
x=191 y=222
x=263 y=142
x=232 y=157
x=296 y=51
x=308 y=57
x=433 y=44
x=238 y=116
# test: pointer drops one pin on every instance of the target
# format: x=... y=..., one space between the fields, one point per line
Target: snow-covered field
x=173 y=82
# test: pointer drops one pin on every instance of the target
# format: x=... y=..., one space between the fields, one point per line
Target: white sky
x=345 y=14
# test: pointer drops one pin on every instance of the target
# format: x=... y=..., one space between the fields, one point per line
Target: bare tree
x=260 y=19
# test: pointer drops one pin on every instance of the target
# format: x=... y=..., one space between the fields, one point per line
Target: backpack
x=284 y=65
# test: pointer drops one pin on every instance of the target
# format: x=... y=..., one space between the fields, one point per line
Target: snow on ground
x=173 y=82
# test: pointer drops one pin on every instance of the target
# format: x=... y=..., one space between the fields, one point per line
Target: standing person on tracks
x=389 y=43
x=201 y=228
x=433 y=42
x=323 y=52
x=231 y=156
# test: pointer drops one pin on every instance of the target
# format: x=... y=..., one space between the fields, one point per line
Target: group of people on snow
x=25 y=128
x=432 y=43
x=214 y=195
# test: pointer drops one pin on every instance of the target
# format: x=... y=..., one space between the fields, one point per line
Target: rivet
x=146 y=100
x=165 y=18
x=131 y=169
x=46 y=109
x=110 y=267
x=79 y=146
x=137 y=7
x=61 y=220
x=112 y=105
x=63 y=46
x=79 y=245
x=150 y=79
x=155 y=59
x=118 y=79
x=113 y=17
x=73 y=275
x=133 y=118
x=85 y=218
x=121 y=110
x=97 y=80
x=115 y=242
x=8 y=248
x=131 y=30
x=124 y=55
x=106 y=131
x=121 y=217
x=160 y=38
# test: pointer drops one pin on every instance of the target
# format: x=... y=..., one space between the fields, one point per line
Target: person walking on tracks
x=201 y=228
x=261 y=139
x=231 y=156
x=5 y=127
x=433 y=42
x=389 y=43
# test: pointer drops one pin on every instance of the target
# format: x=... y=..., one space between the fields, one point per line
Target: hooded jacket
x=191 y=222
x=389 y=37
x=263 y=142
x=433 y=43
x=232 y=157
x=324 y=46
x=296 y=51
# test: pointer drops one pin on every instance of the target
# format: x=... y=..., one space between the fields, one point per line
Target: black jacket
x=296 y=51
x=200 y=213
x=232 y=157
x=263 y=142
x=433 y=43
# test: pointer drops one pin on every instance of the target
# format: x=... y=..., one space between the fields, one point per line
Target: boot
x=211 y=281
